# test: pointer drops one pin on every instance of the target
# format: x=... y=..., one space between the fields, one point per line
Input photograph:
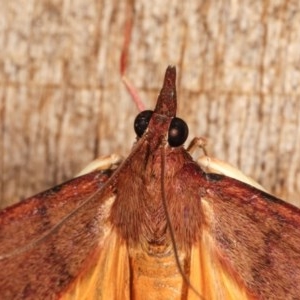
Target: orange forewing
x=158 y=227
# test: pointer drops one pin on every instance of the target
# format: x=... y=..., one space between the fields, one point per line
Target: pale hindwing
x=102 y=163
x=108 y=276
x=214 y=165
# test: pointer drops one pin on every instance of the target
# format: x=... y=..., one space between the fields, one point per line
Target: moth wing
x=249 y=246
x=102 y=163
x=107 y=273
x=216 y=166
x=67 y=247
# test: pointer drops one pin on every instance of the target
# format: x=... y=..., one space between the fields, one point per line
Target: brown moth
x=154 y=226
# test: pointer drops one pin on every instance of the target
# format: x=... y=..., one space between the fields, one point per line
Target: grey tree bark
x=63 y=102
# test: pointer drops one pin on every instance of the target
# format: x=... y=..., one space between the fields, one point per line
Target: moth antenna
x=133 y=93
x=127 y=37
x=54 y=228
x=170 y=227
x=124 y=59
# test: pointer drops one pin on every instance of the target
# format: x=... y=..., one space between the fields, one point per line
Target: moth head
x=165 y=110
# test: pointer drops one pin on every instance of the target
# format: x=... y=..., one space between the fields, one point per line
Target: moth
x=153 y=226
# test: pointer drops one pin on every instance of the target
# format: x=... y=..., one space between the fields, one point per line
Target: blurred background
x=62 y=101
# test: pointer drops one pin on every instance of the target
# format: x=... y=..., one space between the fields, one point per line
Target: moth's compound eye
x=141 y=122
x=178 y=132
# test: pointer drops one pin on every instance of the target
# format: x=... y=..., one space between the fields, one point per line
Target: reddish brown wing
x=45 y=240
x=250 y=243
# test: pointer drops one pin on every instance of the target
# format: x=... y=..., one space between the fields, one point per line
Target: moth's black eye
x=178 y=132
x=141 y=122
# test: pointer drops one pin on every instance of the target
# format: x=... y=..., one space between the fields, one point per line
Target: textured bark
x=63 y=103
